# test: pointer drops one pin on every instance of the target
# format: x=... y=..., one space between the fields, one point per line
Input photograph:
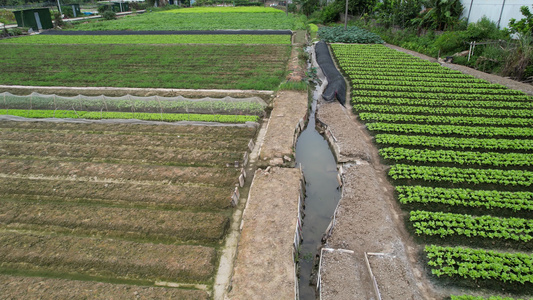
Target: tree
x=525 y=25
x=440 y=14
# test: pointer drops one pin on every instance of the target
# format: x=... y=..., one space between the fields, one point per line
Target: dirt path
x=264 y=268
x=286 y=121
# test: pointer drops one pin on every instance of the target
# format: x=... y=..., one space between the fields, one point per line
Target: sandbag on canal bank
x=336 y=88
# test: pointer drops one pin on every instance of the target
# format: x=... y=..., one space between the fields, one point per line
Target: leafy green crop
x=71 y=114
x=440 y=119
x=462 y=175
x=454 y=143
x=458 y=144
x=488 y=199
x=457 y=157
x=451 y=129
x=475 y=264
x=489 y=227
x=353 y=34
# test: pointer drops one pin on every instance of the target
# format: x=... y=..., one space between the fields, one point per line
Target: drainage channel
x=322 y=195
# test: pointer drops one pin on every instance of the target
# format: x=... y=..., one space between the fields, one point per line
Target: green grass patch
x=226 y=9
x=152 y=39
x=260 y=67
x=293 y=86
x=177 y=20
x=70 y=114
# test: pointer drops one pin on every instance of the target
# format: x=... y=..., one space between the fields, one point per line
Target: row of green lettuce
x=460 y=150
x=93 y=115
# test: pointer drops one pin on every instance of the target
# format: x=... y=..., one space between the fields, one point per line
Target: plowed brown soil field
x=129 y=203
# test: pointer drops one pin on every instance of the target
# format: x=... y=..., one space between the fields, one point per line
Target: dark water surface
x=320 y=171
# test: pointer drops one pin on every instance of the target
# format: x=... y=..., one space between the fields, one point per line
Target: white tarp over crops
x=129 y=103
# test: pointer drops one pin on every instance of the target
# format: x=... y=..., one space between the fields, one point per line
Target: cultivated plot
x=154 y=66
x=203 y=18
x=125 y=203
x=461 y=162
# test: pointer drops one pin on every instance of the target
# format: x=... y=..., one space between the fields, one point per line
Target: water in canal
x=322 y=195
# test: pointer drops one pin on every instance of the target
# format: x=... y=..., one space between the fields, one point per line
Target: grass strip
x=224 y=9
x=152 y=39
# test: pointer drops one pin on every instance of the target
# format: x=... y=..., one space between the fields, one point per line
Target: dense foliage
x=352 y=34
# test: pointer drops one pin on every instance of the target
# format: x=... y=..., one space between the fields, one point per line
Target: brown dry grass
x=217 y=131
x=13 y=287
x=223 y=177
x=106 y=258
x=124 y=194
x=151 y=225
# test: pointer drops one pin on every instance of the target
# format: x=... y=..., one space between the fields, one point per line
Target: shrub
x=58 y=21
x=352 y=34
x=7 y=17
x=109 y=15
x=330 y=13
x=103 y=8
x=449 y=42
x=484 y=29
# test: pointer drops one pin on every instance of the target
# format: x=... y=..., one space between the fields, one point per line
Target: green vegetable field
x=461 y=158
x=142 y=65
x=205 y=18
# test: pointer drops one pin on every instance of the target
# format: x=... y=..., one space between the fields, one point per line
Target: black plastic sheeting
x=336 y=88
x=163 y=32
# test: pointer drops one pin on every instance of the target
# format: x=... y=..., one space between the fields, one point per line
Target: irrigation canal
x=322 y=195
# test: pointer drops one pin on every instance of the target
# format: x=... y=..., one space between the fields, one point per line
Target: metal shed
x=36 y=18
x=120 y=6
